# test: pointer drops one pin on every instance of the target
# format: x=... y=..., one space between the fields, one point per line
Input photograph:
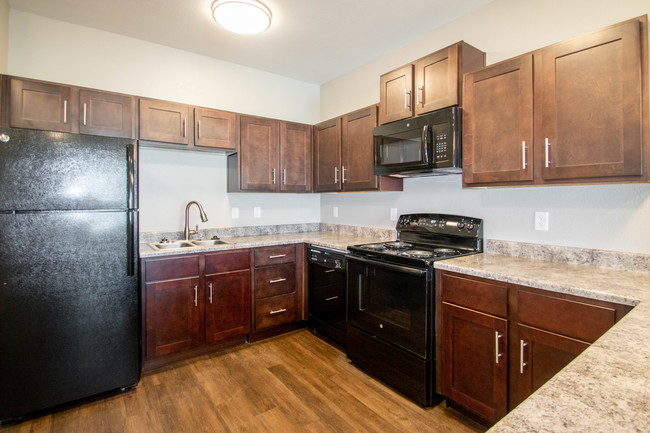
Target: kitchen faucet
x=187 y=232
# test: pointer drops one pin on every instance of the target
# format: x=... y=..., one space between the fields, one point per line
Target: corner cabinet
x=500 y=342
x=576 y=111
x=194 y=303
x=273 y=156
x=344 y=155
x=56 y=107
x=429 y=83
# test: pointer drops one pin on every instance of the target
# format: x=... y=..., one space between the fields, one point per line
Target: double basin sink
x=174 y=245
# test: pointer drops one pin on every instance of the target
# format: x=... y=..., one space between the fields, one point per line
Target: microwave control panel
x=443 y=143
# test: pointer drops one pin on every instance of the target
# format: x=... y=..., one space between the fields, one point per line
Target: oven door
x=392 y=302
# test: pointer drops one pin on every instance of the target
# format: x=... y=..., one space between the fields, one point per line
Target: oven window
x=401 y=148
x=390 y=304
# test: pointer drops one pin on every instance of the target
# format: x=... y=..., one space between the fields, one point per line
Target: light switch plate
x=393 y=214
x=335 y=211
x=234 y=213
x=257 y=212
x=541 y=221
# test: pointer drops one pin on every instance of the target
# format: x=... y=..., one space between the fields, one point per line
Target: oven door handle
x=392 y=267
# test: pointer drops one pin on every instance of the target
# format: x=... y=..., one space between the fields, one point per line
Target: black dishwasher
x=327 y=293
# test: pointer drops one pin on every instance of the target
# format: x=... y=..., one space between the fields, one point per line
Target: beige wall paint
x=612 y=217
x=4 y=35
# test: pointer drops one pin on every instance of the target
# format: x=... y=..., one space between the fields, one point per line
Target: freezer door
x=42 y=170
x=69 y=310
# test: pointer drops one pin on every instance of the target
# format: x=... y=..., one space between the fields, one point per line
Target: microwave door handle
x=425 y=144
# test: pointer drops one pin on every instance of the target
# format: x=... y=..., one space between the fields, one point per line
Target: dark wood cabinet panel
x=275 y=280
x=483 y=295
x=474 y=355
x=591 y=105
x=396 y=94
x=274 y=255
x=228 y=305
x=541 y=355
x=165 y=121
x=38 y=105
x=327 y=156
x=258 y=156
x=275 y=311
x=174 y=316
x=215 y=129
x=295 y=157
x=498 y=123
x=109 y=114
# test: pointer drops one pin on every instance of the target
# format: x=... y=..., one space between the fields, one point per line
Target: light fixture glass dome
x=246 y=17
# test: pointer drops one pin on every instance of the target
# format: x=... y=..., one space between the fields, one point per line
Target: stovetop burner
x=420 y=254
x=397 y=245
x=445 y=251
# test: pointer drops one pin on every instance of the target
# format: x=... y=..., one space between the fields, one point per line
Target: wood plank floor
x=291 y=383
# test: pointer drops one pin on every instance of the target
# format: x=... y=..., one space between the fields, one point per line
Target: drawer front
x=275 y=311
x=487 y=297
x=171 y=268
x=572 y=318
x=227 y=261
x=275 y=255
x=275 y=280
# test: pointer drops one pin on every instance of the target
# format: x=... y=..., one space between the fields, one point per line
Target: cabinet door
x=228 y=305
x=165 y=121
x=295 y=157
x=437 y=80
x=592 y=105
x=327 y=156
x=108 y=114
x=541 y=354
x=357 y=169
x=41 y=106
x=174 y=316
x=258 y=154
x=215 y=128
x=474 y=361
x=396 y=95
x=498 y=123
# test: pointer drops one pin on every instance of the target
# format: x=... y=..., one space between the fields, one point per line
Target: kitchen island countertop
x=607 y=387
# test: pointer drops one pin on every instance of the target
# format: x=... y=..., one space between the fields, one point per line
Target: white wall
x=613 y=217
x=4 y=35
x=52 y=50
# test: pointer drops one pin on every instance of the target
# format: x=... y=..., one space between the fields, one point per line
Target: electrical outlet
x=541 y=221
x=335 y=211
x=393 y=214
x=257 y=212
x=234 y=213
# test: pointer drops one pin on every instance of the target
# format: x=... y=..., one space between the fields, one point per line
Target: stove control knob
x=461 y=225
x=470 y=227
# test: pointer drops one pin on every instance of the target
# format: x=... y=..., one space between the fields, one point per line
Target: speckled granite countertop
x=334 y=240
x=607 y=387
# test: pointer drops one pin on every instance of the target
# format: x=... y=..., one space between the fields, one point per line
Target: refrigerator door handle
x=132 y=175
x=130 y=242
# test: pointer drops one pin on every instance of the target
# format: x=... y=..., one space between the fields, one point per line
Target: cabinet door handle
x=336 y=175
x=522 y=364
x=277 y=280
x=273 y=170
x=548 y=156
x=210 y=287
x=523 y=155
x=274 y=312
x=65 y=111
x=85 y=112
x=330 y=270
x=184 y=126
x=420 y=101
x=277 y=256
x=198 y=129
x=332 y=298
x=343 y=174
x=284 y=176
x=497 y=353
x=196 y=296
x=407 y=97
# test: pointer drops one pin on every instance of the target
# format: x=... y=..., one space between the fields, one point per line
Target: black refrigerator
x=69 y=299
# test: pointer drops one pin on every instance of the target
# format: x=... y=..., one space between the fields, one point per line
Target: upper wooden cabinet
x=56 y=107
x=429 y=83
x=343 y=155
x=586 y=99
x=273 y=156
x=193 y=127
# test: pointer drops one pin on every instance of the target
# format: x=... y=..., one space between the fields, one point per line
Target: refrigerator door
x=69 y=308
x=41 y=170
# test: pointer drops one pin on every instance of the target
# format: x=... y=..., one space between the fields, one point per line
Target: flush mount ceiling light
x=246 y=17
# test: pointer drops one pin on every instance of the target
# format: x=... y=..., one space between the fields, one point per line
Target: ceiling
x=309 y=40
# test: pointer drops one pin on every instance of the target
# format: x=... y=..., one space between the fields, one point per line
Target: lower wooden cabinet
x=500 y=342
x=192 y=301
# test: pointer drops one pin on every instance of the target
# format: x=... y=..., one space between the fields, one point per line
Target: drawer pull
x=332 y=298
x=210 y=286
x=277 y=256
x=196 y=297
x=330 y=270
x=280 y=311
x=278 y=280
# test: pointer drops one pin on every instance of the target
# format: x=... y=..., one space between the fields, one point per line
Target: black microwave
x=420 y=146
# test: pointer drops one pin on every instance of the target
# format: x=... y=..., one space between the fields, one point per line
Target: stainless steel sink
x=207 y=242
x=173 y=245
